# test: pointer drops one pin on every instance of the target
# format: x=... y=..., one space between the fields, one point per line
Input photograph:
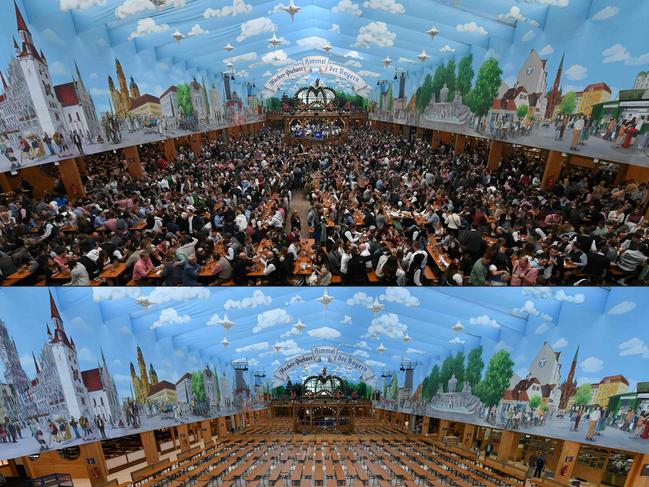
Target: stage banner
x=306 y=66
x=318 y=354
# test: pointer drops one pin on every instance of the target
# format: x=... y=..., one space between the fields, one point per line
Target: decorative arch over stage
x=306 y=66
x=331 y=355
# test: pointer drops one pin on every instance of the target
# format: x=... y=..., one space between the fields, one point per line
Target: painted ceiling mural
x=142 y=358
x=523 y=70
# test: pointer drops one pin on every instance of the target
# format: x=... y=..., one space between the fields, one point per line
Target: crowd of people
x=379 y=209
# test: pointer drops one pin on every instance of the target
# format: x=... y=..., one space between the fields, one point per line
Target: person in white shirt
x=295 y=249
x=365 y=254
x=352 y=235
x=576 y=132
x=381 y=263
x=240 y=220
x=78 y=274
x=593 y=419
x=277 y=220
x=345 y=258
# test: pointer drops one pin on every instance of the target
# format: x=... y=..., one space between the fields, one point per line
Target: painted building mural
x=569 y=82
x=87 y=76
x=84 y=363
x=62 y=392
x=57 y=107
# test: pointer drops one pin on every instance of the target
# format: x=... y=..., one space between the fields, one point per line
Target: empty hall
x=343 y=387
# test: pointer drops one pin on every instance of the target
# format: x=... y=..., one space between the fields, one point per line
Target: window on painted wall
x=532 y=447
x=617 y=470
x=592 y=457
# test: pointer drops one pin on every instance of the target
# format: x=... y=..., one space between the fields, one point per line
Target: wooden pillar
x=443 y=429
x=435 y=140
x=419 y=132
x=5 y=184
x=635 y=479
x=150 y=447
x=468 y=437
x=495 y=155
x=222 y=427
x=195 y=142
x=568 y=458
x=93 y=457
x=626 y=172
x=183 y=436
x=508 y=443
x=82 y=165
x=552 y=171
x=460 y=143
x=169 y=149
x=206 y=431
x=71 y=178
x=425 y=424
x=132 y=156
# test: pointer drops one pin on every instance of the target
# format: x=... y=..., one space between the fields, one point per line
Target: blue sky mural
x=181 y=330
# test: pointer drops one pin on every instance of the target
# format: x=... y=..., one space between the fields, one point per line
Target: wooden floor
x=269 y=454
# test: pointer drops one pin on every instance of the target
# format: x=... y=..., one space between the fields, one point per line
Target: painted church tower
x=36 y=73
x=64 y=353
x=14 y=373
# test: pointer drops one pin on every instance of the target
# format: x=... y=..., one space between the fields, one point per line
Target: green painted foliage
x=198 y=388
x=465 y=75
x=484 y=92
x=496 y=380
x=183 y=98
x=568 y=103
x=583 y=395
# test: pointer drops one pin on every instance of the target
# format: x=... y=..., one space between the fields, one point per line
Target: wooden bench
x=336 y=279
x=372 y=277
x=429 y=274
x=149 y=471
x=110 y=483
x=132 y=282
x=188 y=454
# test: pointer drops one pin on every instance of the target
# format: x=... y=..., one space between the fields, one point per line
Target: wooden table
x=20 y=275
x=113 y=272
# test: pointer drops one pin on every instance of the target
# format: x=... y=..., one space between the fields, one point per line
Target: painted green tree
x=465 y=75
x=394 y=389
x=568 y=103
x=449 y=78
x=474 y=366
x=484 y=92
x=273 y=103
x=217 y=387
x=434 y=381
x=389 y=98
x=534 y=402
x=430 y=384
x=499 y=372
x=583 y=395
x=446 y=372
x=198 y=388
x=184 y=99
x=522 y=110
x=279 y=391
x=438 y=80
x=207 y=101
x=424 y=94
x=425 y=388
x=458 y=371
